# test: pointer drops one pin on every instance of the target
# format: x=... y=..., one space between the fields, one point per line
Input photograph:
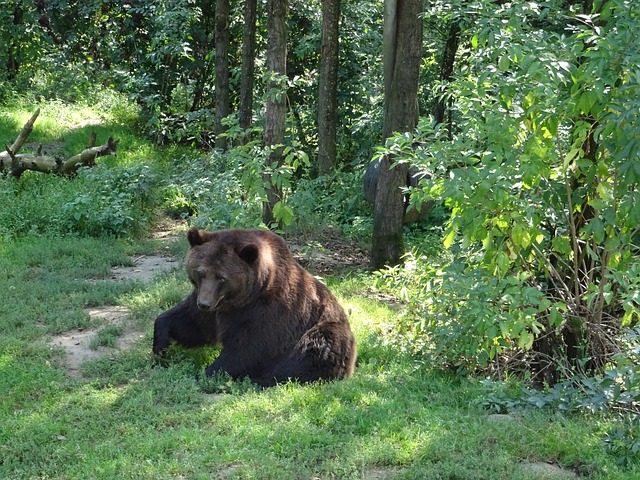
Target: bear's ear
x=196 y=237
x=248 y=253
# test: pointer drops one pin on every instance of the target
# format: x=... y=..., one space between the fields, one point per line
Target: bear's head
x=222 y=268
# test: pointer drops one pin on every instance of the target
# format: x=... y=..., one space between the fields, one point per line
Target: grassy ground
x=126 y=417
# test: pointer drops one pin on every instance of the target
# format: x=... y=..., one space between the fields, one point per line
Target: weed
x=623 y=441
x=106 y=337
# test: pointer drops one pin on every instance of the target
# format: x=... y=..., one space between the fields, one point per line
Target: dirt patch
x=89 y=122
x=502 y=417
x=550 y=471
x=145 y=268
x=170 y=229
x=77 y=343
x=328 y=254
x=380 y=473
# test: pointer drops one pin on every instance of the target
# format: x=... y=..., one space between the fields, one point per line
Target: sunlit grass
x=128 y=417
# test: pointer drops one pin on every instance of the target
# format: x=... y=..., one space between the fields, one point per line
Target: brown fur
x=274 y=320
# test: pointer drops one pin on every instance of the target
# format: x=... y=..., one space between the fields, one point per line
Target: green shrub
x=335 y=200
x=111 y=200
x=210 y=192
x=541 y=177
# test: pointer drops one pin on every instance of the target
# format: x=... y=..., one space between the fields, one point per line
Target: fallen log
x=18 y=163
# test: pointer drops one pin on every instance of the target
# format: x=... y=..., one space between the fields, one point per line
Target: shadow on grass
x=128 y=418
x=388 y=419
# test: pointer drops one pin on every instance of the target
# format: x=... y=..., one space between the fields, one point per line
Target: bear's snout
x=204 y=305
x=209 y=295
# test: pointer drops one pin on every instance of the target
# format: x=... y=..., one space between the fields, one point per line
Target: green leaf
x=562 y=245
x=521 y=236
x=283 y=213
x=596 y=230
x=504 y=63
x=525 y=340
x=555 y=317
x=448 y=240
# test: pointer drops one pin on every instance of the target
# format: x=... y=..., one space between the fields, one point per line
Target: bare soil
x=550 y=471
x=77 y=343
x=146 y=267
x=328 y=254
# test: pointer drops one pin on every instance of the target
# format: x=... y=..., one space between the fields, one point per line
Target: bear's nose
x=203 y=305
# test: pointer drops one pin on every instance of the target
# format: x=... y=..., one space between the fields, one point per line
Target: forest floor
x=83 y=397
x=328 y=254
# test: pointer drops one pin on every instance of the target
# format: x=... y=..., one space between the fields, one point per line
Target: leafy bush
x=336 y=200
x=616 y=389
x=228 y=189
x=623 y=441
x=468 y=318
x=210 y=191
x=541 y=177
x=190 y=128
x=112 y=200
x=103 y=200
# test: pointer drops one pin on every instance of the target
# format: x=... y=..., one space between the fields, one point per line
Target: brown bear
x=274 y=320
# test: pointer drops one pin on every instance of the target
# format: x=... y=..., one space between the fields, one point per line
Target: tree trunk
x=402 y=58
x=13 y=47
x=446 y=72
x=248 y=64
x=202 y=46
x=327 y=87
x=275 y=115
x=223 y=99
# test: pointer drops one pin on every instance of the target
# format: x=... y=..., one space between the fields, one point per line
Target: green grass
x=128 y=417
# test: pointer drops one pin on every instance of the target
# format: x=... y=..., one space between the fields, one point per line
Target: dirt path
x=77 y=344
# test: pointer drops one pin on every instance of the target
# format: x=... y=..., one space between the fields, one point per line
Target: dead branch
x=17 y=164
x=24 y=133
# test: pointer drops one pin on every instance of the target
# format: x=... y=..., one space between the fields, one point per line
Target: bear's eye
x=220 y=279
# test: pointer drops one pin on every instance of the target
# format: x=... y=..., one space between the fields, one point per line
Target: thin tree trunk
x=223 y=101
x=13 y=47
x=202 y=46
x=275 y=116
x=327 y=87
x=402 y=58
x=446 y=72
x=248 y=62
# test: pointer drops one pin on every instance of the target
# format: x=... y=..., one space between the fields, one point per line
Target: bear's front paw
x=160 y=350
x=160 y=360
